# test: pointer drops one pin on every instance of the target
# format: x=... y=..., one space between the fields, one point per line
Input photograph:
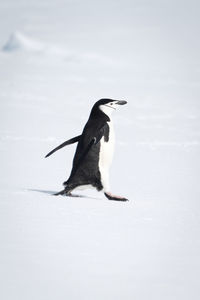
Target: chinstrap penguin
x=94 y=151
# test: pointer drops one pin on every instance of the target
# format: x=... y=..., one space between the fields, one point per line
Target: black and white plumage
x=94 y=151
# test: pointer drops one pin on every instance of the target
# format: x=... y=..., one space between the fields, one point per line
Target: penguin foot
x=62 y=193
x=114 y=197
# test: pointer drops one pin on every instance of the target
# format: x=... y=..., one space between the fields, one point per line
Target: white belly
x=105 y=157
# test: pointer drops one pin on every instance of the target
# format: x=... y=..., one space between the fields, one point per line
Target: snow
x=18 y=41
x=57 y=58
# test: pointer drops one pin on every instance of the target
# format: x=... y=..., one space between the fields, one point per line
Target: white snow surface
x=56 y=59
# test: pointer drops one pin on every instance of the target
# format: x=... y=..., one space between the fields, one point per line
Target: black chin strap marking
x=110 y=106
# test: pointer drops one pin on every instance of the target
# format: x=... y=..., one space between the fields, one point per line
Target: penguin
x=94 y=151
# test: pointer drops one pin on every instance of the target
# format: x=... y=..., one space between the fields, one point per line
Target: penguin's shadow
x=52 y=193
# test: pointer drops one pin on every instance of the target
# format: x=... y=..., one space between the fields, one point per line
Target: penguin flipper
x=68 y=142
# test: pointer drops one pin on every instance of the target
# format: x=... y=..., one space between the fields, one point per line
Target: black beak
x=121 y=102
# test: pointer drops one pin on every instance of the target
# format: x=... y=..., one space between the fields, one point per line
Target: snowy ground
x=57 y=58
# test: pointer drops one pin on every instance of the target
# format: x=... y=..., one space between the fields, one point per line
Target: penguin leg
x=106 y=188
x=63 y=193
x=67 y=191
x=114 y=197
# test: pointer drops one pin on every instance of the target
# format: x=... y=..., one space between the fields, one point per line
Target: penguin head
x=107 y=106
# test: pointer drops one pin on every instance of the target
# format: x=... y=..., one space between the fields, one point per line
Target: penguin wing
x=69 y=142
